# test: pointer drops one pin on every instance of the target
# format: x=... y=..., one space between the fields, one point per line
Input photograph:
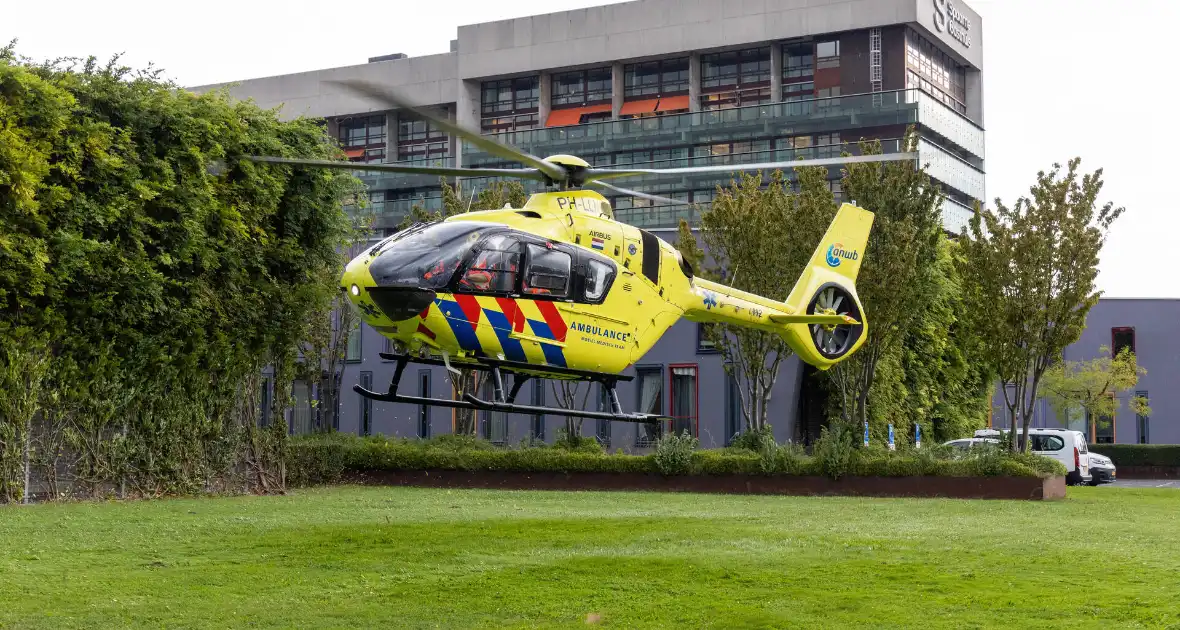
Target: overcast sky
x=1062 y=78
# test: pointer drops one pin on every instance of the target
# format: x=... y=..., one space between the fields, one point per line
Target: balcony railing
x=820 y=115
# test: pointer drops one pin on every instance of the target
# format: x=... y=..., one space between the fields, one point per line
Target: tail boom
x=822 y=320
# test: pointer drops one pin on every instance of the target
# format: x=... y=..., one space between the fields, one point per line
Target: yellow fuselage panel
x=604 y=337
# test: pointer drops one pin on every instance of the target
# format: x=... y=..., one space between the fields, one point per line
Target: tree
x=1092 y=387
x=154 y=288
x=455 y=201
x=898 y=279
x=934 y=377
x=758 y=239
x=1030 y=271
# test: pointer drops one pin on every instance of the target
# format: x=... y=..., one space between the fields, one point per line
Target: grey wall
x=425 y=80
x=596 y=35
x=1158 y=351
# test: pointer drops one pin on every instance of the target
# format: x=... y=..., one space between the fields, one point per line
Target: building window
x=668 y=77
x=510 y=104
x=737 y=78
x=934 y=72
x=363 y=138
x=705 y=345
x=684 y=399
x=366 y=424
x=1104 y=430
x=419 y=141
x=827 y=55
x=495 y=423
x=424 y=410
x=1122 y=338
x=733 y=408
x=798 y=61
x=650 y=395
x=656 y=158
x=581 y=87
x=353 y=352
x=539 y=401
x=1143 y=422
x=602 y=431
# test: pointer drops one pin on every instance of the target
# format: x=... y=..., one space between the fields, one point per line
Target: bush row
x=1140 y=454
x=325 y=459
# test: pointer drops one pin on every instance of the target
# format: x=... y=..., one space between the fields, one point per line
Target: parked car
x=1101 y=469
x=1064 y=445
x=966 y=444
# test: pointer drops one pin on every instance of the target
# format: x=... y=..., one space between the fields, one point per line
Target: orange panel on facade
x=573 y=115
x=639 y=107
x=673 y=103
x=564 y=117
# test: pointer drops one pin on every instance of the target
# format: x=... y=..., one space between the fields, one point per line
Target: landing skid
x=521 y=373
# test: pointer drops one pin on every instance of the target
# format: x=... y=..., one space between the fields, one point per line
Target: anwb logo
x=836 y=252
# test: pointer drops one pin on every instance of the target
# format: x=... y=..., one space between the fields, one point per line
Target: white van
x=1063 y=445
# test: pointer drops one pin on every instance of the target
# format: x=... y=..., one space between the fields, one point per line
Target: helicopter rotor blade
x=604 y=173
x=525 y=173
x=553 y=171
x=636 y=193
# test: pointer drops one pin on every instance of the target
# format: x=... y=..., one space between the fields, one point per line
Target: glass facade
x=934 y=72
x=510 y=104
x=735 y=119
x=363 y=138
x=666 y=77
x=581 y=87
x=735 y=78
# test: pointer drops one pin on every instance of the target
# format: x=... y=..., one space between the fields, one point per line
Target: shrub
x=674 y=453
x=315 y=460
x=1140 y=454
x=756 y=440
x=324 y=459
x=833 y=450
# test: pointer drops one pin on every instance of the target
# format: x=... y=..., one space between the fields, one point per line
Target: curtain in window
x=649 y=402
x=684 y=400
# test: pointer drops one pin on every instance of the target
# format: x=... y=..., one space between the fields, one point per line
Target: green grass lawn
x=398 y=558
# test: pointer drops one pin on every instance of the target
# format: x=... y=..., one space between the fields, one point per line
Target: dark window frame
x=517 y=112
x=366 y=420
x=1115 y=331
x=1143 y=423
x=655 y=370
x=583 y=95
x=424 y=387
x=671 y=78
x=704 y=345
x=696 y=391
x=538 y=419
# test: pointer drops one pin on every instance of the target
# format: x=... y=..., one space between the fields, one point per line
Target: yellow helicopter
x=559 y=289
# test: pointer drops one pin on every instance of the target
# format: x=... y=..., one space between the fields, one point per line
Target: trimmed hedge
x=1139 y=454
x=324 y=459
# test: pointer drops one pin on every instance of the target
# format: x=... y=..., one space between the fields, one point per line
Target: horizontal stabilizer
x=823 y=320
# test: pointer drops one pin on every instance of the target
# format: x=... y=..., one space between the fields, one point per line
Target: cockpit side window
x=493 y=268
x=599 y=275
x=548 y=272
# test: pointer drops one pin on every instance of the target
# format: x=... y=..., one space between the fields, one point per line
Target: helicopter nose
x=396 y=287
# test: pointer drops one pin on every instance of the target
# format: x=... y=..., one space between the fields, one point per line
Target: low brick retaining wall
x=1147 y=472
x=1021 y=488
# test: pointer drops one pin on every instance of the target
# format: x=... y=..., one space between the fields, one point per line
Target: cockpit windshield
x=427 y=258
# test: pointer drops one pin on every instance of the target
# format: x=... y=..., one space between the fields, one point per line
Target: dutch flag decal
x=596 y=243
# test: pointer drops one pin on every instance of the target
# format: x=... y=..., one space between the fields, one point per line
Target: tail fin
x=828 y=286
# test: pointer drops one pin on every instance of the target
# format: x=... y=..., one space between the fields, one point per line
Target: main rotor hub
x=575 y=170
